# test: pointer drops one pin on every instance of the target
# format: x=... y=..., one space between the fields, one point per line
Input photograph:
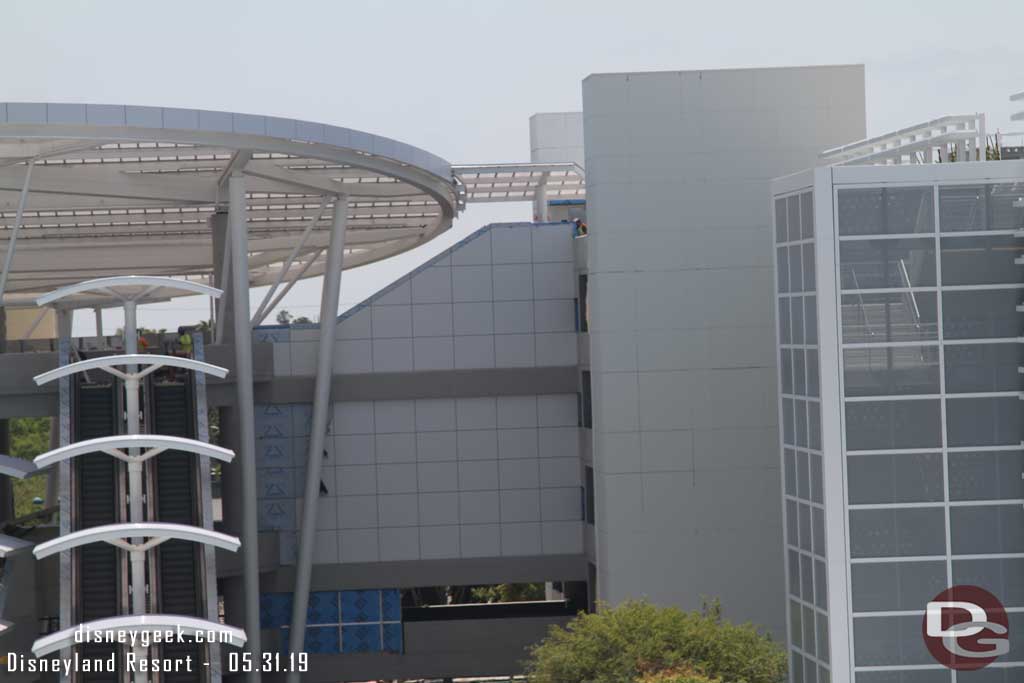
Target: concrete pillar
x=218 y=223
x=246 y=452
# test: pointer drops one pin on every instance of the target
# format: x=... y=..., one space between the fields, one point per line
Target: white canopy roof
x=129 y=189
x=119 y=442
x=115 y=290
x=520 y=182
x=154 y=360
x=121 y=532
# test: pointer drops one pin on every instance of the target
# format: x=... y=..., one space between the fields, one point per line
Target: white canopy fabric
x=130 y=287
x=137 y=359
x=125 y=189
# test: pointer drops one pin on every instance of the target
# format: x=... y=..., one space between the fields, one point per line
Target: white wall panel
x=681 y=321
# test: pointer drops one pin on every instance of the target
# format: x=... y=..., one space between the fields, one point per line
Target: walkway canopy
x=152 y=444
x=120 y=535
x=111 y=364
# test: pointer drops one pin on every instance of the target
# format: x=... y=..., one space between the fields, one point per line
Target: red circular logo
x=966 y=628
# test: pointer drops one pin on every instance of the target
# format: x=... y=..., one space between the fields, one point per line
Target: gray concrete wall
x=681 y=322
x=436 y=649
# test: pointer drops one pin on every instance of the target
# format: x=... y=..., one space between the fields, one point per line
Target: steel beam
x=246 y=413
x=13 y=240
x=318 y=430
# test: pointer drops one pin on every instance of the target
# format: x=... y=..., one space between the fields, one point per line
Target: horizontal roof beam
x=103 y=182
x=112 y=284
x=122 y=532
x=106 y=444
x=136 y=359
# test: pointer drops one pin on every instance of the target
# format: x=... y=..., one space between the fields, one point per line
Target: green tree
x=637 y=641
x=508 y=592
x=286 y=318
x=30 y=436
x=684 y=674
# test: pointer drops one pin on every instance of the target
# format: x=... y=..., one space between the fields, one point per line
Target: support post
x=239 y=243
x=318 y=430
x=98 y=313
x=224 y=330
x=137 y=558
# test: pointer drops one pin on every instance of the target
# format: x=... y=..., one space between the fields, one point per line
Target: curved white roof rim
x=107 y=284
x=131 y=190
x=150 y=359
x=140 y=623
x=105 y=444
x=9 y=545
x=16 y=467
x=121 y=532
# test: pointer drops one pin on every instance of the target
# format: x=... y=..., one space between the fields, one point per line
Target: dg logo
x=966 y=628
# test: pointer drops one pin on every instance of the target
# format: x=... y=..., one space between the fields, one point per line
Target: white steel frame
x=115 y=534
x=965 y=133
x=116 y=446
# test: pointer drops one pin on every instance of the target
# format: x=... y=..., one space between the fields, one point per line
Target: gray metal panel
x=415 y=573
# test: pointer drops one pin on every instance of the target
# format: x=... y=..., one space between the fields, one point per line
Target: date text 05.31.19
x=268 y=662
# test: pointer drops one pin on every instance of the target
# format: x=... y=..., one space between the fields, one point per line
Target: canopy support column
x=318 y=430
x=137 y=558
x=239 y=244
x=218 y=223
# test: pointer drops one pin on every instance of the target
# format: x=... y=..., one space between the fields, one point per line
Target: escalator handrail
x=114 y=445
x=122 y=532
x=154 y=361
x=136 y=624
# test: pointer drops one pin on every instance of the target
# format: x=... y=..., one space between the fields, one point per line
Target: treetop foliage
x=637 y=642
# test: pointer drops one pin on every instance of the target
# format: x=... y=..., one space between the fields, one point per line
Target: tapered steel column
x=246 y=413
x=137 y=558
x=318 y=430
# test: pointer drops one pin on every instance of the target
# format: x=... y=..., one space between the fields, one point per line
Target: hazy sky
x=462 y=78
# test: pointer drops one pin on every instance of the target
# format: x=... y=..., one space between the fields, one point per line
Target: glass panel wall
x=933 y=422
x=806 y=538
